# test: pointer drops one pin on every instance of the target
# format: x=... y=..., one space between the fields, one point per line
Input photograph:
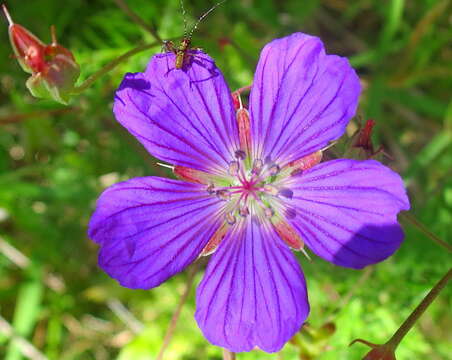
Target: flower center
x=252 y=189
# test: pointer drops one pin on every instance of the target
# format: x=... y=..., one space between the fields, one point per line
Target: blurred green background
x=55 y=161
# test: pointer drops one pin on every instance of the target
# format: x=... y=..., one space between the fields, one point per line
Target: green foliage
x=54 y=162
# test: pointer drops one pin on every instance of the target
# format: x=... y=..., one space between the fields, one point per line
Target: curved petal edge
x=181 y=116
x=151 y=228
x=301 y=98
x=346 y=211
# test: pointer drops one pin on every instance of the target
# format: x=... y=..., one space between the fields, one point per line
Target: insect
x=182 y=51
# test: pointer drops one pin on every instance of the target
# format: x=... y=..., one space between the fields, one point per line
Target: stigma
x=252 y=189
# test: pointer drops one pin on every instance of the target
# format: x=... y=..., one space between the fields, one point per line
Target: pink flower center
x=251 y=189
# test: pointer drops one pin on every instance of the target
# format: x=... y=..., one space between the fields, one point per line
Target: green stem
x=421 y=227
x=110 y=66
x=420 y=309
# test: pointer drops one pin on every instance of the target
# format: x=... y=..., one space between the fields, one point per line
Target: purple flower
x=253 y=188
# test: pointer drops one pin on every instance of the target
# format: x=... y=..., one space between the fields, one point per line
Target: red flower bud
x=53 y=67
x=29 y=50
x=364 y=140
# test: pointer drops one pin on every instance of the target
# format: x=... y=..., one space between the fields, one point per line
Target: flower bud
x=362 y=145
x=378 y=352
x=52 y=67
x=28 y=49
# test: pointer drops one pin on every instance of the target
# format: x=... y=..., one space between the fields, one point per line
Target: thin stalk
x=111 y=65
x=387 y=350
x=422 y=228
x=138 y=20
x=420 y=309
x=172 y=326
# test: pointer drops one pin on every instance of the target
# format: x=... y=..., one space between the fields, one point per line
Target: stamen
x=287 y=193
x=258 y=164
x=223 y=194
x=242 y=176
x=211 y=189
x=244 y=211
x=269 y=212
x=234 y=168
x=266 y=209
x=230 y=218
x=274 y=170
x=240 y=154
x=271 y=189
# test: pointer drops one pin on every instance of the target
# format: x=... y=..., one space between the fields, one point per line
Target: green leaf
x=26 y=313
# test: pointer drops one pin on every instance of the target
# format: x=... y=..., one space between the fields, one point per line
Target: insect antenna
x=184 y=16
x=202 y=17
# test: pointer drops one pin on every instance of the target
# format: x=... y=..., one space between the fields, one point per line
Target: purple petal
x=346 y=211
x=253 y=292
x=151 y=228
x=184 y=117
x=301 y=98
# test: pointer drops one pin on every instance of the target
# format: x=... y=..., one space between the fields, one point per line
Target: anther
x=240 y=154
x=287 y=193
x=269 y=212
x=223 y=194
x=258 y=164
x=270 y=189
x=274 y=170
x=230 y=218
x=244 y=211
x=211 y=189
x=234 y=168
